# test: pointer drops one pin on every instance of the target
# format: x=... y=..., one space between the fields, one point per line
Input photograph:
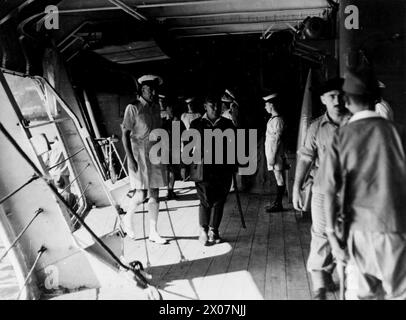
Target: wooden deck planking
x=175 y=255
x=265 y=261
x=296 y=275
x=275 y=276
x=176 y=274
x=199 y=267
x=209 y=286
x=259 y=251
x=237 y=283
x=188 y=278
x=142 y=249
x=210 y=282
x=159 y=256
x=305 y=237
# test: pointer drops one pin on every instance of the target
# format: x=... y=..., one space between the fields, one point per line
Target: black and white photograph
x=207 y=151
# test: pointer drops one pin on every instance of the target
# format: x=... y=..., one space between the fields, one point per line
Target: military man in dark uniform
x=213 y=181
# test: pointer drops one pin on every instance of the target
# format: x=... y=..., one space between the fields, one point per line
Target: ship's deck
x=267 y=260
x=264 y=261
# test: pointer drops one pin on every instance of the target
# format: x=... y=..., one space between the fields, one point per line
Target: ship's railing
x=33 y=178
x=88 y=143
x=135 y=267
x=75 y=178
x=37 y=213
x=66 y=159
x=110 y=153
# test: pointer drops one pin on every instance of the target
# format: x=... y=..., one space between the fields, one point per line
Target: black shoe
x=276 y=207
x=171 y=195
x=320 y=294
x=203 y=238
x=331 y=286
x=214 y=237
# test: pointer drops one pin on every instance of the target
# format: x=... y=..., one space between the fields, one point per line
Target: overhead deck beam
x=281 y=23
x=149 y=59
x=101 y=4
x=188 y=16
x=275 y=4
x=247 y=18
x=308 y=11
x=131 y=11
x=231 y=29
x=188 y=8
x=216 y=34
x=16 y=11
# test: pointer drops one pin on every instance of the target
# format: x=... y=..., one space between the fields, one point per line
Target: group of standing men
x=213 y=181
x=358 y=162
x=356 y=157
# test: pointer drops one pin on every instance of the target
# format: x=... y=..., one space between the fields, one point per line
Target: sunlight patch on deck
x=244 y=288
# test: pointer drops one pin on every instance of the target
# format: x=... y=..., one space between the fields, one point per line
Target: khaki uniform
x=273 y=137
x=141 y=118
x=320 y=262
x=372 y=153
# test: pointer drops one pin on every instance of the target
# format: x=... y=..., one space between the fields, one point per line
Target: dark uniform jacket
x=207 y=171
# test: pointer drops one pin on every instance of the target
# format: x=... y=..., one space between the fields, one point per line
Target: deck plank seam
x=284 y=255
x=303 y=256
x=189 y=262
x=260 y=205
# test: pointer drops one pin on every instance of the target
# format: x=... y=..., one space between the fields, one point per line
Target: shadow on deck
x=267 y=260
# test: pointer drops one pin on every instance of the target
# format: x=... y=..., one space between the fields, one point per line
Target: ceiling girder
x=130 y=10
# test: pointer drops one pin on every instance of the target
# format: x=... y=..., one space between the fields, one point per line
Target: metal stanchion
x=33 y=178
x=40 y=252
x=70 y=157
x=21 y=233
x=135 y=267
x=79 y=174
x=119 y=159
x=123 y=167
x=81 y=196
x=46 y=123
